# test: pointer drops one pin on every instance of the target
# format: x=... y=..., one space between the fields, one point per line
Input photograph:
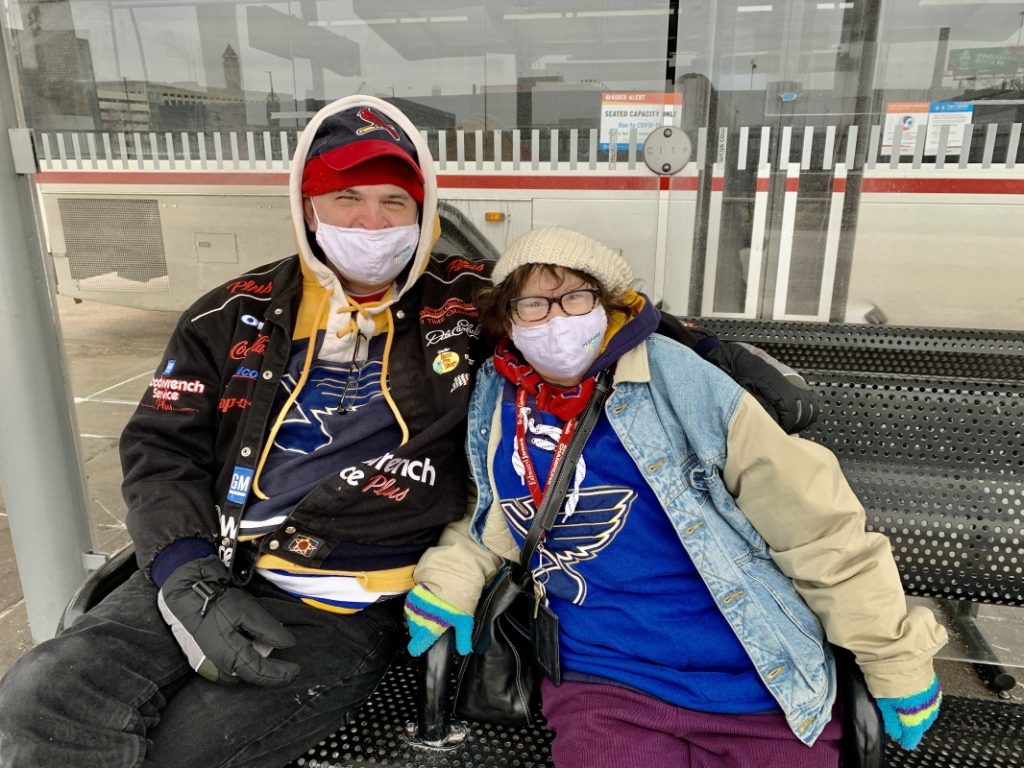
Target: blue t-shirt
x=632 y=607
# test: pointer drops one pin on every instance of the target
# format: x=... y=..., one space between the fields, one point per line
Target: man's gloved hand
x=782 y=391
x=429 y=616
x=907 y=718
x=225 y=633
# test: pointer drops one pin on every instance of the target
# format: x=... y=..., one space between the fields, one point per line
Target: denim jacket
x=767 y=518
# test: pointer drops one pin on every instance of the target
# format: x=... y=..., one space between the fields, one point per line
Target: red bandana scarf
x=563 y=402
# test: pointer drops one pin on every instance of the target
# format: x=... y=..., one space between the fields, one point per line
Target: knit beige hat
x=565 y=248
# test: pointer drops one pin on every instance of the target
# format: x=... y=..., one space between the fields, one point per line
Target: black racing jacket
x=191 y=448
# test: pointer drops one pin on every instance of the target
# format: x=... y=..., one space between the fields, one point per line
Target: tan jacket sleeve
x=457 y=569
x=794 y=493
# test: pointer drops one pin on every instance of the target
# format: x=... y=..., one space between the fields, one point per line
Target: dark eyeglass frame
x=513 y=304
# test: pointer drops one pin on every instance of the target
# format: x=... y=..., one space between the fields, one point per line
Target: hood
x=626 y=331
x=315 y=270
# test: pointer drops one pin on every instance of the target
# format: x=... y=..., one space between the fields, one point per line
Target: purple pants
x=604 y=726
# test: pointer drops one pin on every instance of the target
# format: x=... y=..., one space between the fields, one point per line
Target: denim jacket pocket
x=800 y=629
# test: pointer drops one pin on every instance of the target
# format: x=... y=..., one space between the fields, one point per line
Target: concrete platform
x=112 y=352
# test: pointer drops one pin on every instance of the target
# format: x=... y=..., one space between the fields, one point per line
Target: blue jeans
x=114 y=690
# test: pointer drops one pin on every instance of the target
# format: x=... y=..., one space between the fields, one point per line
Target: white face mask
x=368 y=256
x=564 y=347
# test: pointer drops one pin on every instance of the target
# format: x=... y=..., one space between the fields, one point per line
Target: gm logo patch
x=241 y=480
x=169 y=368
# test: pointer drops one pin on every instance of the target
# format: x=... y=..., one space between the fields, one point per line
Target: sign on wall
x=622 y=112
x=910 y=115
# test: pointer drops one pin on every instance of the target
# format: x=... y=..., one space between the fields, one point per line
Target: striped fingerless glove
x=429 y=616
x=907 y=718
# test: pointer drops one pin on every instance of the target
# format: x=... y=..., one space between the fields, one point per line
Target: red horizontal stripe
x=683 y=183
x=792 y=184
x=947 y=186
x=717 y=183
x=447 y=181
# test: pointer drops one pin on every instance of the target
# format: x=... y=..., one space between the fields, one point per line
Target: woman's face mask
x=368 y=257
x=562 y=349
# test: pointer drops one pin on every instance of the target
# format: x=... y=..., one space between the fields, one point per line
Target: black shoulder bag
x=515 y=637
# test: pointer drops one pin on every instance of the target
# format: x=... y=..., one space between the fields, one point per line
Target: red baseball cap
x=360 y=146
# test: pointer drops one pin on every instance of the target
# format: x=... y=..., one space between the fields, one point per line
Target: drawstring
x=384 y=379
x=306 y=365
x=348 y=381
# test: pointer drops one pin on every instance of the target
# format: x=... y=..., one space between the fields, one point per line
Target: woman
x=701 y=557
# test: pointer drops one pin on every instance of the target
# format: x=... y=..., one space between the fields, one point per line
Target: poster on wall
x=622 y=112
x=909 y=116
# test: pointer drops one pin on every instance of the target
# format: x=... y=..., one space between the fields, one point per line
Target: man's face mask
x=367 y=256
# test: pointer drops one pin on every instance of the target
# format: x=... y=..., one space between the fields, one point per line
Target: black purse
x=515 y=636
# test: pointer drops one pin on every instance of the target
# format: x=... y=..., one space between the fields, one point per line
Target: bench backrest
x=929 y=428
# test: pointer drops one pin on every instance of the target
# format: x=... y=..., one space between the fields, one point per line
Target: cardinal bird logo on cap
x=376 y=123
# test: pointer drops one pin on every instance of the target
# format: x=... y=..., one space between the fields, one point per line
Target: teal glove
x=429 y=616
x=907 y=718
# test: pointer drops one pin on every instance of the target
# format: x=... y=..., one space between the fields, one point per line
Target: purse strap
x=555 y=492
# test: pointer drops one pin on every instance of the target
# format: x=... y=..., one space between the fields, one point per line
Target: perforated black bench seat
x=971 y=733
x=376 y=737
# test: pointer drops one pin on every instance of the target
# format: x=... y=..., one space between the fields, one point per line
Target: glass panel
x=181 y=66
x=135 y=84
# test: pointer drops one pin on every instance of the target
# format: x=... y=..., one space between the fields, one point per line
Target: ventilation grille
x=114 y=245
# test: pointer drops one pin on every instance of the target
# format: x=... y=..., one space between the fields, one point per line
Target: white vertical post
x=786 y=240
x=835 y=221
x=40 y=462
x=707 y=304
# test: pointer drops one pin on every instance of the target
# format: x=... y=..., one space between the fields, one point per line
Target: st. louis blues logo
x=376 y=123
x=576 y=537
x=330 y=389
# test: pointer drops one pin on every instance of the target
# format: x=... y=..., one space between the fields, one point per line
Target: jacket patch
x=462 y=328
x=437 y=315
x=461 y=265
x=243 y=348
x=446 y=361
x=168 y=393
x=304 y=545
x=253 y=322
x=169 y=367
x=232 y=403
x=250 y=287
x=241 y=481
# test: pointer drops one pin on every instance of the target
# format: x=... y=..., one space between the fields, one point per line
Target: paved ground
x=112 y=353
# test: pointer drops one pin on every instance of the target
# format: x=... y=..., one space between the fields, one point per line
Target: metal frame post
x=40 y=466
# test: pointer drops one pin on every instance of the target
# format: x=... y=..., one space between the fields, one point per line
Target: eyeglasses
x=530 y=309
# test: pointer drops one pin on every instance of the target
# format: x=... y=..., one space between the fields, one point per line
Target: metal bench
x=928 y=427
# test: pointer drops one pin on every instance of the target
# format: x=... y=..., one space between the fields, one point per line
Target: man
x=299 y=447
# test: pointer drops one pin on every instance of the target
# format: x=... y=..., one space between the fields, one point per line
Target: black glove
x=781 y=390
x=225 y=633
x=778 y=388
